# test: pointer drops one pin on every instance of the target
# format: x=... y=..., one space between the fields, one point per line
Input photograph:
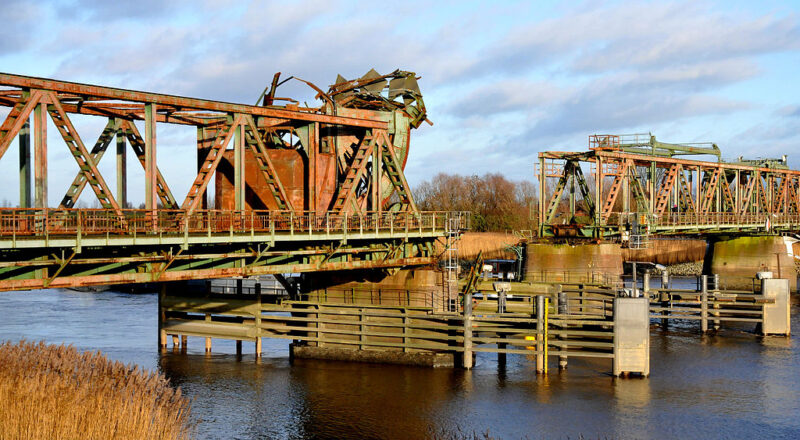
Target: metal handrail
x=37 y=222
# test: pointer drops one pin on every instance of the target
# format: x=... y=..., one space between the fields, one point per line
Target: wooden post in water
x=540 y=360
x=563 y=310
x=208 y=339
x=184 y=342
x=664 y=297
x=501 y=308
x=238 y=347
x=704 y=303
x=467 y=361
x=162 y=334
x=716 y=304
x=257 y=288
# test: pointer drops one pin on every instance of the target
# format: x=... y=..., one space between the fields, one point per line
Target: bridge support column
x=583 y=263
x=411 y=287
x=737 y=260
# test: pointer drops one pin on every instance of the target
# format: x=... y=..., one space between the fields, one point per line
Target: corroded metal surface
x=298 y=188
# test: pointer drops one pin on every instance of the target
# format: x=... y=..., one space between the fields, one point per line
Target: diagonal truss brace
x=100 y=147
x=253 y=139
x=16 y=118
x=136 y=141
x=345 y=198
x=85 y=161
x=395 y=172
x=214 y=156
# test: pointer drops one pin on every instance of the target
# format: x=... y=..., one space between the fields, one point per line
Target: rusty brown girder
x=663 y=193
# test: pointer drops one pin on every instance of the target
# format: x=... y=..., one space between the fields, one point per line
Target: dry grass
x=493 y=245
x=57 y=392
x=668 y=251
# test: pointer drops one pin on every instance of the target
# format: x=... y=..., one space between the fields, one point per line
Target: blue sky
x=502 y=80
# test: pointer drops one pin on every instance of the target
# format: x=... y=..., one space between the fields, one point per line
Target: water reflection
x=732 y=384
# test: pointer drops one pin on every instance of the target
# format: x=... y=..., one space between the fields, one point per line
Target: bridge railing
x=689 y=219
x=34 y=222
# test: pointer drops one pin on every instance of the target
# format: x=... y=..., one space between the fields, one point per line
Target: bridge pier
x=410 y=287
x=737 y=260
x=581 y=263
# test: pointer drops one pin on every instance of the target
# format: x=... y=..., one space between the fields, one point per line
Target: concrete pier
x=737 y=260
x=546 y=262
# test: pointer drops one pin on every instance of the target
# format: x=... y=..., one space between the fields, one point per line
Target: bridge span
x=296 y=188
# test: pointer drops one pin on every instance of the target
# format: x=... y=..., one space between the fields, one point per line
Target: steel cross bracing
x=663 y=193
x=297 y=188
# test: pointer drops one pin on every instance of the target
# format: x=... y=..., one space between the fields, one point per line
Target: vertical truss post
x=203 y=147
x=150 y=172
x=598 y=191
x=40 y=154
x=653 y=184
x=238 y=168
x=626 y=190
x=377 y=167
x=542 y=193
x=122 y=167
x=572 y=179
x=311 y=184
x=25 y=165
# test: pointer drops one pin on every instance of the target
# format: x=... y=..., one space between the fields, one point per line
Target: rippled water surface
x=733 y=385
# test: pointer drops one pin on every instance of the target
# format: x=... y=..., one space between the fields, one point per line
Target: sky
x=502 y=81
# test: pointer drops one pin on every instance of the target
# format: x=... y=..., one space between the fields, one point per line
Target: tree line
x=496 y=203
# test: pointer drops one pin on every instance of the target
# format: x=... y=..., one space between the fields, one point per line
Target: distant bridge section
x=633 y=185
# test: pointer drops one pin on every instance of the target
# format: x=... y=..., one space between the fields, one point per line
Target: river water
x=732 y=385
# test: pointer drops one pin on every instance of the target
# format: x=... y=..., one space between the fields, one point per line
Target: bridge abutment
x=737 y=260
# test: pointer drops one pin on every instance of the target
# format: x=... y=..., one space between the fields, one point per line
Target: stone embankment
x=686 y=269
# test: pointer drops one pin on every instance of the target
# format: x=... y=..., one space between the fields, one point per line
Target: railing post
x=467 y=357
x=704 y=303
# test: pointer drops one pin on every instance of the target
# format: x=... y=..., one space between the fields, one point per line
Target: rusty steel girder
x=297 y=188
x=316 y=146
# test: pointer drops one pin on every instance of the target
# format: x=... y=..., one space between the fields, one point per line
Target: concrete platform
x=435 y=360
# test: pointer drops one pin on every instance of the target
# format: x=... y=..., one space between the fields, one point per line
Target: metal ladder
x=453 y=230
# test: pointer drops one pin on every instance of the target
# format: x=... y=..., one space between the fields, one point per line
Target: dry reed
x=668 y=251
x=57 y=392
x=493 y=245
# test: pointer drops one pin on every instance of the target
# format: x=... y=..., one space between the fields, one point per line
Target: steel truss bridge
x=298 y=189
x=628 y=185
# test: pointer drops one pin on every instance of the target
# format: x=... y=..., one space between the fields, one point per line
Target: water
x=733 y=385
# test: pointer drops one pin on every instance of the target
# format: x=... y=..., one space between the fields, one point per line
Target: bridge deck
x=76 y=247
